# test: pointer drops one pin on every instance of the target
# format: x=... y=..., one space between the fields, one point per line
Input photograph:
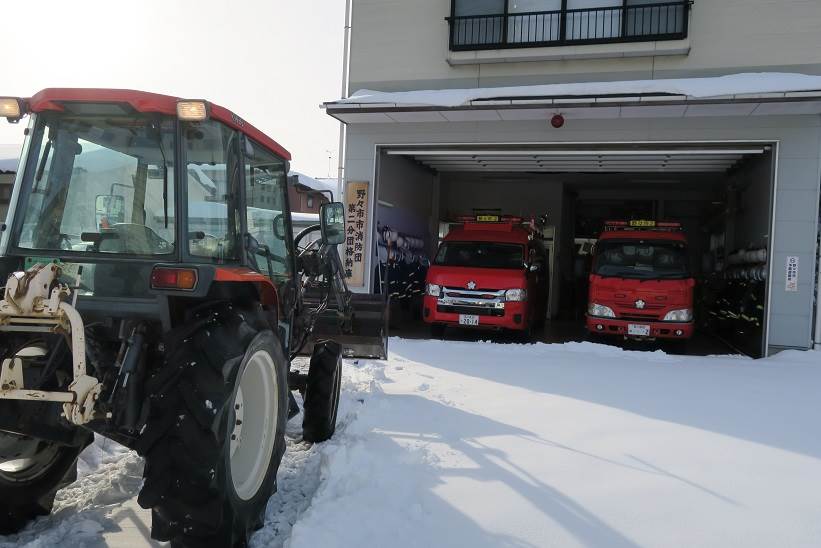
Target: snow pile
x=108 y=475
x=477 y=444
x=720 y=86
x=466 y=444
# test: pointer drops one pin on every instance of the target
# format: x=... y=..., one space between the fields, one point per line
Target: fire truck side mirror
x=332 y=221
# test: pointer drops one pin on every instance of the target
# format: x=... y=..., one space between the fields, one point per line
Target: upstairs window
x=488 y=24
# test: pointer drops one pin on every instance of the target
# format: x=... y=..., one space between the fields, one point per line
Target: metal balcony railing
x=639 y=23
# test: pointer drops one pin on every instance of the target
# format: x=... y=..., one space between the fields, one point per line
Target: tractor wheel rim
x=30 y=468
x=35 y=463
x=255 y=424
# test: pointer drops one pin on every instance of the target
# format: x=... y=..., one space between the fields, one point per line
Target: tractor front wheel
x=322 y=392
x=216 y=431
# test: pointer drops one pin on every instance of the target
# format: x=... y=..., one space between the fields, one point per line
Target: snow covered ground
x=478 y=444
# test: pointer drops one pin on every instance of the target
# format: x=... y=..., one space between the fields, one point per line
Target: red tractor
x=156 y=296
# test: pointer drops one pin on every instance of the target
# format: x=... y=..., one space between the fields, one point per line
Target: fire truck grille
x=640 y=317
x=479 y=302
x=474 y=310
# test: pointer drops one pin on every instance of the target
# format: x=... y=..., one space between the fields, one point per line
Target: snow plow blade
x=365 y=335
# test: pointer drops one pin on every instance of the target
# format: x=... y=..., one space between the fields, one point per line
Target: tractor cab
x=126 y=188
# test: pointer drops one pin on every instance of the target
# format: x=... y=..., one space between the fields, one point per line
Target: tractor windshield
x=100 y=183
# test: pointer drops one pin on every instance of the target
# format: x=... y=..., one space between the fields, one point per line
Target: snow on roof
x=298 y=217
x=9 y=157
x=720 y=86
x=8 y=164
x=315 y=184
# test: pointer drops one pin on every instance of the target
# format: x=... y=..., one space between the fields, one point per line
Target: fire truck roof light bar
x=666 y=226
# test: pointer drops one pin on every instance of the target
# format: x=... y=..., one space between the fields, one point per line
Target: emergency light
x=642 y=224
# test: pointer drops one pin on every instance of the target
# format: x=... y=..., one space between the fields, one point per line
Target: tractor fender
x=265 y=287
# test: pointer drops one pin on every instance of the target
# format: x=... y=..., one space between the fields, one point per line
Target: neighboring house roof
x=304 y=218
x=700 y=88
x=9 y=158
x=315 y=184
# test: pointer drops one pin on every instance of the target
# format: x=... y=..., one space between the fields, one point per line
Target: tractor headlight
x=600 y=311
x=682 y=315
x=433 y=290
x=192 y=111
x=10 y=108
x=516 y=295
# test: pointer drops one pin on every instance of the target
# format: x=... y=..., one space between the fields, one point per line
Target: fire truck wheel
x=216 y=430
x=322 y=392
x=525 y=336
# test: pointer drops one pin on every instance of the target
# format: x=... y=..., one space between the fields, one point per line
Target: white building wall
x=401 y=45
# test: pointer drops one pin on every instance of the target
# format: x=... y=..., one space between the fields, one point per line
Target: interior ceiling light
x=577 y=152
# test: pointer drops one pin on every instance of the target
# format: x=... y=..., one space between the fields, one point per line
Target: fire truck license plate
x=638 y=330
x=468 y=319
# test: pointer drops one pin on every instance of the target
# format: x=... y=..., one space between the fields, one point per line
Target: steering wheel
x=315 y=244
x=152 y=239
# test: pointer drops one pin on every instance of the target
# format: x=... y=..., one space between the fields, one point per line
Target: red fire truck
x=489 y=272
x=640 y=284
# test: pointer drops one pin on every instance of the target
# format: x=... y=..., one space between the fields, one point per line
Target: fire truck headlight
x=600 y=311
x=683 y=315
x=516 y=295
x=433 y=290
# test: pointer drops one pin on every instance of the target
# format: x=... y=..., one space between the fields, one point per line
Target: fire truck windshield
x=641 y=259
x=480 y=255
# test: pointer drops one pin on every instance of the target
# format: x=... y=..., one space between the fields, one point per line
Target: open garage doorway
x=720 y=193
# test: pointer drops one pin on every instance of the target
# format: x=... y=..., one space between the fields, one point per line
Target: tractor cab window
x=100 y=183
x=266 y=211
x=212 y=169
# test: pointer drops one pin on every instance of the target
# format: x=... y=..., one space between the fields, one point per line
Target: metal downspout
x=345 y=61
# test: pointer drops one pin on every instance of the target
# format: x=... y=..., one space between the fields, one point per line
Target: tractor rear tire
x=28 y=485
x=322 y=392
x=216 y=430
x=32 y=471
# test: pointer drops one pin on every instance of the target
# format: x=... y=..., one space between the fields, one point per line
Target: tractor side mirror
x=109 y=210
x=279 y=227
x=332 y=221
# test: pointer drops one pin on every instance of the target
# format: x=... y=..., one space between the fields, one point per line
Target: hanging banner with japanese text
x=792 y=274
x=356 y=232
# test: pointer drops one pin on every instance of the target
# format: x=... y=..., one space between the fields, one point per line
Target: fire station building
x=583 y=111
